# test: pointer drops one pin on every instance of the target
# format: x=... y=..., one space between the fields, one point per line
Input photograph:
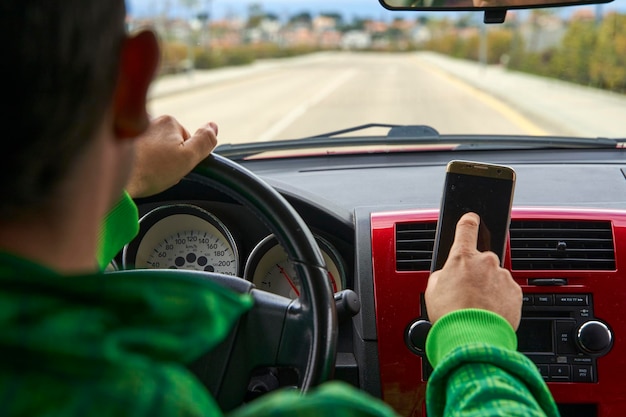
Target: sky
x=219 y=9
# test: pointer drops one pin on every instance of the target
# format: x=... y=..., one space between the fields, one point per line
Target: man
x=79 y=342
x=76 y=342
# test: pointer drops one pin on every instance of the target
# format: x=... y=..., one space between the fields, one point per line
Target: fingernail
x=214 y=126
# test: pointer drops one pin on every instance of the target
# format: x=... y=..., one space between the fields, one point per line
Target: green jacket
x=99 y=345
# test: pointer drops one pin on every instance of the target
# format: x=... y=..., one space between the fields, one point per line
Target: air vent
x=414 y=246
x=562 y=245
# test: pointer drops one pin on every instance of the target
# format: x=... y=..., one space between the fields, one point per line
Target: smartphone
x=484 y=189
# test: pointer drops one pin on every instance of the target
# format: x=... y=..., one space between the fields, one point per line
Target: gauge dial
x=269 y=268
x=183 y=237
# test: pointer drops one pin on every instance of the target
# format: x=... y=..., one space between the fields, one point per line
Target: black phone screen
x=488 y=197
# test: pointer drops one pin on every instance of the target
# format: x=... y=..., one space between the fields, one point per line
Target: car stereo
x=560 y=334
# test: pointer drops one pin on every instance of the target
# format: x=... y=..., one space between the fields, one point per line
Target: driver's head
x=66 y=81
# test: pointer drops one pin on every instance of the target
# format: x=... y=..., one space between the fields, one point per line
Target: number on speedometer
x=191 y=249
x=183 y=237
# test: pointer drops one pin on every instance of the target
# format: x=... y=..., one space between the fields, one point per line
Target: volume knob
x=594 y=338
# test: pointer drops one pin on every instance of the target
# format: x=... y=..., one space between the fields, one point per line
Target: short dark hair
x=59 y=68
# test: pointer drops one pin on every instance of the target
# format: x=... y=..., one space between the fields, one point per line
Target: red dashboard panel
x=397 y=298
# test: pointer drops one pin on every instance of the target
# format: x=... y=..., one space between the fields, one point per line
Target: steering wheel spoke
x=252 y=345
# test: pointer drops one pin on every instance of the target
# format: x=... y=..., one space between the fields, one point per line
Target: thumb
x=202 y=142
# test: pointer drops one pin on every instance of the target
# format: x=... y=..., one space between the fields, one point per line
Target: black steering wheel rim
x=316 y=303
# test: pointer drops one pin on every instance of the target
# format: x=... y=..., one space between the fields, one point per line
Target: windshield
x=272 y=70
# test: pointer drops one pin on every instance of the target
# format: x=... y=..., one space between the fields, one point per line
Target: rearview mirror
x=480 y=4
x=495 y=10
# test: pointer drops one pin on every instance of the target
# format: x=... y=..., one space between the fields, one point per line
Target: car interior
x=282 y=220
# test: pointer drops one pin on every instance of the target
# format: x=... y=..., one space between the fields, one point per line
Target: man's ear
x=138 y=65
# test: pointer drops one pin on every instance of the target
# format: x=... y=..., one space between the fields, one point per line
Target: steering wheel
x=298 y=334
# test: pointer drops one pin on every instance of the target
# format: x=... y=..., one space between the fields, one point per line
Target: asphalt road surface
x=305 y=96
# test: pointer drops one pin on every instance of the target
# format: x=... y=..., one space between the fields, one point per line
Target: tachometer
x=269 y=268
x=183 y=237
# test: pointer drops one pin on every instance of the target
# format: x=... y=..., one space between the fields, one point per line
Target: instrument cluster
x=187 y=236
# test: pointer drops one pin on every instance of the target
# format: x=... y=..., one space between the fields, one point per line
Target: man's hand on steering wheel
x=165 y=153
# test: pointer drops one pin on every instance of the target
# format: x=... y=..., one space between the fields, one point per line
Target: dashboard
x=374 y=217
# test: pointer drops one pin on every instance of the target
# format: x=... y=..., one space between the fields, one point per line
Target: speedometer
x=183 y=237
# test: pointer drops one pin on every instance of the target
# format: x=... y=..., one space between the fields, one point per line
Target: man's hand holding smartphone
x=472 y=279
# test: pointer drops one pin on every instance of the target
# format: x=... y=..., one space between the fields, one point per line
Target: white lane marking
x=302 y=108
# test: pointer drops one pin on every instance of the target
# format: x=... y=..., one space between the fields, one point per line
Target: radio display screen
x=535 y=336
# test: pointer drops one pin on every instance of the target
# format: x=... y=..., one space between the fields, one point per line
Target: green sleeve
x=118 y=228
x=478 y=372
x=331 y=399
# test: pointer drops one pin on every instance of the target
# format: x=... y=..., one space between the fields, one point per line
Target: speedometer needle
x=284 y=273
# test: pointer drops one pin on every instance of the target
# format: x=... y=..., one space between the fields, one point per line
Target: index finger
x=466 y=235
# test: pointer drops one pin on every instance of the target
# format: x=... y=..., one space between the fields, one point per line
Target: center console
x=572 y=326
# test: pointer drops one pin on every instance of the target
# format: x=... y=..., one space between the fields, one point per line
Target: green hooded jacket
x=118 y=345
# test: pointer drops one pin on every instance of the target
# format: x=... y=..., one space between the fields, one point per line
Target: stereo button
x=565 y=337
x=544 y=300
x=560 y=373
x=583 y=373
x=415 y=337
x=572 y=300
x=594 y=337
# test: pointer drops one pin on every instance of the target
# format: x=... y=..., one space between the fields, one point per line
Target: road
x=323 y=92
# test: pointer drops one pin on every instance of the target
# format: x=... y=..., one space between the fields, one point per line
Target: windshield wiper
x=397 y=135
x=403 y=135
x=394 y=130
